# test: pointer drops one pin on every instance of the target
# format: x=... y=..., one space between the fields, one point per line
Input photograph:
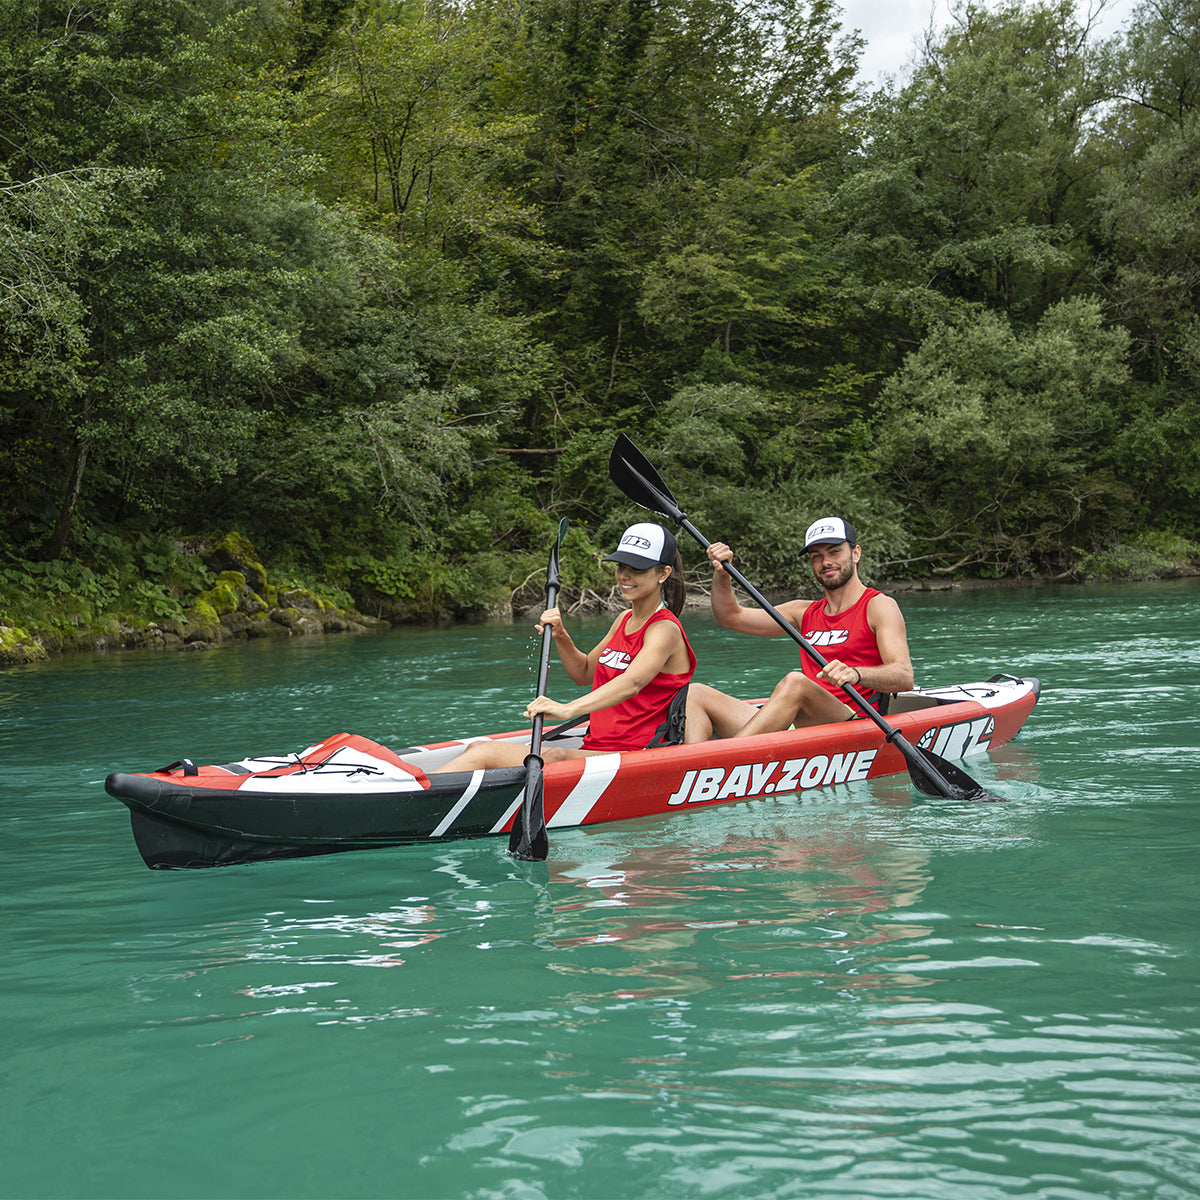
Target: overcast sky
x=893 y=28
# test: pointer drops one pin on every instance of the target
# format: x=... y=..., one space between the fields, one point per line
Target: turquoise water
x=857 y=993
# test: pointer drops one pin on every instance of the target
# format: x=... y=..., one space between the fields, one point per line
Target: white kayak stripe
x=508 y=813
x=459 y=804
x=598 y=773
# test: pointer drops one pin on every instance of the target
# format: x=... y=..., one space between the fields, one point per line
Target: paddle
x=528 y=838
x=930 y=773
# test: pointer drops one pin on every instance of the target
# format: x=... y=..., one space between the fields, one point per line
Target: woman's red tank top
x=631 y=725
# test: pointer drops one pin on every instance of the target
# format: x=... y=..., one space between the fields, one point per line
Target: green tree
x=992 y=434
x=1157 y=72
x=398 y=119
x=1150 y=213
x=1149 y=261
x=977 y=179
x=199 y=339
x=103 y=108
x=650 y=119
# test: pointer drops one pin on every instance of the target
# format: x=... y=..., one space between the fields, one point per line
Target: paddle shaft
x=535 y=744
x=528 y=839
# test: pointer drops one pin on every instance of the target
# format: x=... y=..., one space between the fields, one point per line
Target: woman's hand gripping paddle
x=528 y=838
x=930 y=773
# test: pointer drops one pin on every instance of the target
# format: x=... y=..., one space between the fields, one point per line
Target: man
x=858 y=631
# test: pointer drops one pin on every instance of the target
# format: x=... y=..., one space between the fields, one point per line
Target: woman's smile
x=634 y=583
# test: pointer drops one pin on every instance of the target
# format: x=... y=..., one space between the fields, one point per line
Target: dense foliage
x=376 y=283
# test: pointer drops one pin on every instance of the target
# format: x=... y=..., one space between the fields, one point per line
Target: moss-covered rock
x=235 y=553
x=234 y=625
x=225 y=595
x=252 y=604
x=201 y=622
x=52 y=640
x=18 y=646
x=103 y=634
x=302 y=624
x=302 y=599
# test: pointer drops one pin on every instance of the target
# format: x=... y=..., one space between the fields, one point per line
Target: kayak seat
x=671 y=731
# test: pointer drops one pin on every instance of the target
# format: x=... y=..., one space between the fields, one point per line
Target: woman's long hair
x=674 y=589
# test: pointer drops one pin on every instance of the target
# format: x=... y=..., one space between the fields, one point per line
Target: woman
x=634 y=671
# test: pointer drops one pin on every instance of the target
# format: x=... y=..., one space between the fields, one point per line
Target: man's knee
x=793 y=685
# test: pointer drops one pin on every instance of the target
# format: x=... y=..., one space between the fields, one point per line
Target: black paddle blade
x=936 y=776
x=528 y=840
x=552 y=568
x=630 y=470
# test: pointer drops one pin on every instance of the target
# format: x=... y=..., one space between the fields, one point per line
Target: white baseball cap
x=829 y=530
x=644 y=545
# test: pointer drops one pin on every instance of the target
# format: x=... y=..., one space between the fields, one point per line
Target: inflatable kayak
x=350 y=793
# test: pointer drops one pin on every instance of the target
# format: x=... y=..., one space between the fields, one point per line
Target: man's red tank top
x=631 y=725
x=846 y=637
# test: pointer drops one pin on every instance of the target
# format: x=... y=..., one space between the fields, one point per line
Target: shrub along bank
x=199 y=596
x=200 y=593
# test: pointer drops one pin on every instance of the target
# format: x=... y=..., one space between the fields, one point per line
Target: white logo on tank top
x=827 y=637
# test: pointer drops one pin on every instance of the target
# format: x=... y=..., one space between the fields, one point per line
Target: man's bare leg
x=797 y=701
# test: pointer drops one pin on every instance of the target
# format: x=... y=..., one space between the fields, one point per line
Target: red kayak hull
x=348 y=793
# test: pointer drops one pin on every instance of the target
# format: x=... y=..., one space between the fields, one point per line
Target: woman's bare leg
x=484 y=756
x=711 y=714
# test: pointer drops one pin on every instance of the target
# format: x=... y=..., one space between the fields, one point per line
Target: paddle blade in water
x=935 y=776
x=528 y=840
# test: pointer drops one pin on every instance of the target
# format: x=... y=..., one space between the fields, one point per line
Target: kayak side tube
x=348 y=793
x=961 y=723
x=175 y=825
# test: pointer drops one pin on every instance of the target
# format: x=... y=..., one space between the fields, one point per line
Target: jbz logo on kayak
x=797 y=774
x=958 y=741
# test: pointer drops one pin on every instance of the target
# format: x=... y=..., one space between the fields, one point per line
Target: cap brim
x=631 y=560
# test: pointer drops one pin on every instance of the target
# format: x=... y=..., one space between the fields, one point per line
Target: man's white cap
x=644 y=545
x=829 y=530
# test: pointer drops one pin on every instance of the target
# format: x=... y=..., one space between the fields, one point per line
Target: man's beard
x=843 y=576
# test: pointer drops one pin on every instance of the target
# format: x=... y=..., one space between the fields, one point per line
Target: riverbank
x=303 y=616
x=240 y=602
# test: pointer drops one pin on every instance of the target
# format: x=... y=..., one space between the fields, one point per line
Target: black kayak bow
x=528 y=839
x=930 y=773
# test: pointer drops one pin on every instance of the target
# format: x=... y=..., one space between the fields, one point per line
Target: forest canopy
x=376 y=284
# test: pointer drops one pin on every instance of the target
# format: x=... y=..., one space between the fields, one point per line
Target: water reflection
x=788 y=908
x=662 y=919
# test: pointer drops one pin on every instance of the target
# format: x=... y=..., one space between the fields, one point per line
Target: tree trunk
x=66 y=514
